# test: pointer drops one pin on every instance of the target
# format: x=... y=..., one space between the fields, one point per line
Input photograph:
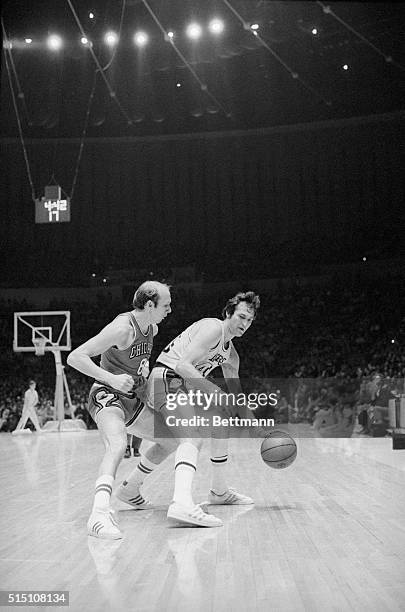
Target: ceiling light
x=140 y=39
x=54 y=42
x=111 y=39
x=216 y=26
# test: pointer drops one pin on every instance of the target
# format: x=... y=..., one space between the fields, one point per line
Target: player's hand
x=122 y=382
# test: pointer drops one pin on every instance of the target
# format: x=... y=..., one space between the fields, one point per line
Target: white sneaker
x=229 y=498
x=102 y=524
x=192 y=515
x=133 y=499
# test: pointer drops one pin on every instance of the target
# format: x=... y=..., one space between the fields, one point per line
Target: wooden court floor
x=327 y=533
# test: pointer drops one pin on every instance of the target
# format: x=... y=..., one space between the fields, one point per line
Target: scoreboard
x=52 y=211
x=51 y=208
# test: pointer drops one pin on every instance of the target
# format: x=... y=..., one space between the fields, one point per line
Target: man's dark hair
x=251 y=299
x=149 y=290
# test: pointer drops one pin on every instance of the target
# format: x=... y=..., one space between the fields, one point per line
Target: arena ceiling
x=307 y=61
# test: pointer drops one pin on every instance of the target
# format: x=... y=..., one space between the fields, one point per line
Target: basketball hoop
x=39 y=344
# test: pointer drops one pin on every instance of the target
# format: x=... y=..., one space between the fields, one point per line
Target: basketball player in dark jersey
x=115 y=403
x=189 y=359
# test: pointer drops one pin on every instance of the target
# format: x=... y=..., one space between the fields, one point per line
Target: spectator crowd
x=333 y=352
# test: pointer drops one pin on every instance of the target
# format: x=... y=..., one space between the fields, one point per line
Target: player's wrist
x=108 y=379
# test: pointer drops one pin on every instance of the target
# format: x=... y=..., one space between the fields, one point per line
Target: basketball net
x=39 y=344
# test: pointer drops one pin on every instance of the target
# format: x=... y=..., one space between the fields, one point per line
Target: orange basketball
x=278 y=450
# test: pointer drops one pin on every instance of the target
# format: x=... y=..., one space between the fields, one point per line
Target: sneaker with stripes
x=102 y=524
x=192 y=515
x=132 y=497
x=229 y=498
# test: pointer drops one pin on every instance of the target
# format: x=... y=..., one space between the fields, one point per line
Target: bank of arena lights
x=193 y=31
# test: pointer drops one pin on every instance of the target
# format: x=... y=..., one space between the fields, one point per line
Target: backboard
x=53 y=327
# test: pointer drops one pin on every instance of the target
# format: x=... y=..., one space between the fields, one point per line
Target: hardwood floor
x=327 y=533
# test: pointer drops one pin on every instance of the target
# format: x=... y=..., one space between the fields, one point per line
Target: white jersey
x=216 y=355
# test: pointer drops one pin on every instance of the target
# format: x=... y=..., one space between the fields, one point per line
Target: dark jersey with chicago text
x=133 y=360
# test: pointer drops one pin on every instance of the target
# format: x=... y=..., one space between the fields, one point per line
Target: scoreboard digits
x=52 y=211
x=51 y=208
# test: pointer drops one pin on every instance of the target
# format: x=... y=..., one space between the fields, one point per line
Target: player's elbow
x=72 y=359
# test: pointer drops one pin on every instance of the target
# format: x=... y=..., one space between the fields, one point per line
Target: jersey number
x=143 y=369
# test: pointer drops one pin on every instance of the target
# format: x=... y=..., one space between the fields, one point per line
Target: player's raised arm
x=116 y=333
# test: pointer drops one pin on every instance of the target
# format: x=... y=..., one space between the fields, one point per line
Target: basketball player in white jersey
x=188 y=360
x=115 y=403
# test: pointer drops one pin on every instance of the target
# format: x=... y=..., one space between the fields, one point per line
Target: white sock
x=185 y=466
x=138 y=475
x=103 y=492
x=219 y=463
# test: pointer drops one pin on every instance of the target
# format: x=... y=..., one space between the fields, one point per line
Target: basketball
x=278 y=450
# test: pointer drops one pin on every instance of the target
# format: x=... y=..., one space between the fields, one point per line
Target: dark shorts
x=101 y=396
